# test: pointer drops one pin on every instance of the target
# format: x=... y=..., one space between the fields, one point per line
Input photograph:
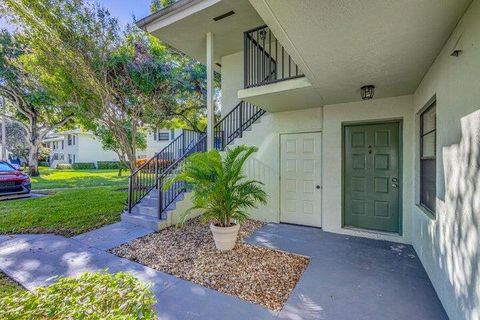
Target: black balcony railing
x=265 y=59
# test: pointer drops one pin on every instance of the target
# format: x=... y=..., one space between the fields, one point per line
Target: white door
x=301 y=179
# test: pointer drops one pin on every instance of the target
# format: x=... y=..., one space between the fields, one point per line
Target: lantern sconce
x=367 y=92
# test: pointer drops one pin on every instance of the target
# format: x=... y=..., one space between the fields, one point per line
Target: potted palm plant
x=221 y=191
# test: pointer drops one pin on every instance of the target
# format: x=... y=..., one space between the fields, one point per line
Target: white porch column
x=210 y=93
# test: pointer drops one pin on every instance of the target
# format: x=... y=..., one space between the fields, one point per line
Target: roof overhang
x=184 y=26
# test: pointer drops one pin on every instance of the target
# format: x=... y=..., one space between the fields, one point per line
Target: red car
x=13 y=181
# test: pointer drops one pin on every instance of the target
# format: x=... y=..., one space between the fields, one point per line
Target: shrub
x=90 y=296
x=43 y=164
x=219 y=185
x=64 y=166
x=83 y=165
x=109 y=165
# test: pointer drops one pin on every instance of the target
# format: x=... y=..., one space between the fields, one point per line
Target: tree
x=79 y=52
x=157 y=5
x=33 y=107
x=110 y=143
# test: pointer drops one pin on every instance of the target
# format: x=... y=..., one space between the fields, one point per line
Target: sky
x=122 y=9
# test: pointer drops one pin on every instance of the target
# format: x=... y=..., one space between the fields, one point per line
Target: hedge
x=43 y=164
x=63 y=166
x=91 y=296
x=83 y=165
x=109 y=165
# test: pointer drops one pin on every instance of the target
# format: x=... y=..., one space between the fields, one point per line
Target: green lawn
x=64 y=212
x=7 y=286
x=53 y=178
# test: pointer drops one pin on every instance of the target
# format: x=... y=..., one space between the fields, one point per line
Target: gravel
x=256 y=274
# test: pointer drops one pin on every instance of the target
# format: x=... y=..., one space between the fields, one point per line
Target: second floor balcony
x=265 y=59
x=272 y=79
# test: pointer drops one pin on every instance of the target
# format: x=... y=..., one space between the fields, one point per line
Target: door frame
x=280 y=174
x=398 y=121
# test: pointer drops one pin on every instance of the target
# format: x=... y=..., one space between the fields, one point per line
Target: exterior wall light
x=367 y=92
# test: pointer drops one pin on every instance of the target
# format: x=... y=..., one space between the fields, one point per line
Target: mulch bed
x=256 y=274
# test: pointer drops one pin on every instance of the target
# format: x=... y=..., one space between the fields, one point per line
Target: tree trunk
x=33 y=161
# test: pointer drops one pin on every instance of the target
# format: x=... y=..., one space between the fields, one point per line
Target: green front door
x=372 y=176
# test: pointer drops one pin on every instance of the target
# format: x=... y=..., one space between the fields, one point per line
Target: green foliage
x=8 y=286
x=120 y=79
x=83 y=166
x=91 y=296
x=65 y=212
x=110 y=165
x=63 y=166
x=157 y=5
x=219 y=186
x=43 y=164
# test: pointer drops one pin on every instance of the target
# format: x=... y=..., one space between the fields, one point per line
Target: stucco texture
x=449 y=244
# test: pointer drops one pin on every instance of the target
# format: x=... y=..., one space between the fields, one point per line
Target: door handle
x=317 y=186
x=394 y=185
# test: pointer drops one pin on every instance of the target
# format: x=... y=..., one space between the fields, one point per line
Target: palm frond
x=220 y=189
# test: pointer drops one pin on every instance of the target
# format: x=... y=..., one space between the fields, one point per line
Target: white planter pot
x=225 y=237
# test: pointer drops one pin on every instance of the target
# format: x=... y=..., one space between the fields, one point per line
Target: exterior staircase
x=152 y=207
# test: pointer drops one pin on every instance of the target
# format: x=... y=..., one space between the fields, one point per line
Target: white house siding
x=89 y=149
x=449 y=245
x=154 y=146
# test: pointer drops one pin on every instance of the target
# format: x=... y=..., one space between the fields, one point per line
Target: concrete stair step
x=141 y=220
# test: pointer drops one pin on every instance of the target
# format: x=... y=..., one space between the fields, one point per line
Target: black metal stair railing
x=234 y=123
x=265 y=60
x=226 y=130
x=167 y=197
x=145 y=178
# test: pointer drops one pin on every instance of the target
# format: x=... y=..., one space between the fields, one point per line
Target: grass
x=53 y=178
x=7 y=286
x=64 y=212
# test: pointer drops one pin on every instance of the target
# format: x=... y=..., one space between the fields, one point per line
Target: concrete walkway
x=112 y=235
x=34 y=260
x=347 y=277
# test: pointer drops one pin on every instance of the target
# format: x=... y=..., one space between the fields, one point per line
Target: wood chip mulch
x=256 y=274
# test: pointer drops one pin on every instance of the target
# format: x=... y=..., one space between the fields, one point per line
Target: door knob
x=394 y=185
x=317 y=186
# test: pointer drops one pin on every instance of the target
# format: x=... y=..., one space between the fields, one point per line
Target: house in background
x=365 y=113
x=76 y=146
x=157 y=139
x=80 y=146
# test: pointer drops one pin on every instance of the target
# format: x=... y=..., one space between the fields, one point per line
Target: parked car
x=13 y=181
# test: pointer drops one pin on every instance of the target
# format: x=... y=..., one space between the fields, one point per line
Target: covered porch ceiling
x=185 y=24
x=342 y=45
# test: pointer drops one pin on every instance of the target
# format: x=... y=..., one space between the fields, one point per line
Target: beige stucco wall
x=265 y=164
x=232 y=80
x=449 y=245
